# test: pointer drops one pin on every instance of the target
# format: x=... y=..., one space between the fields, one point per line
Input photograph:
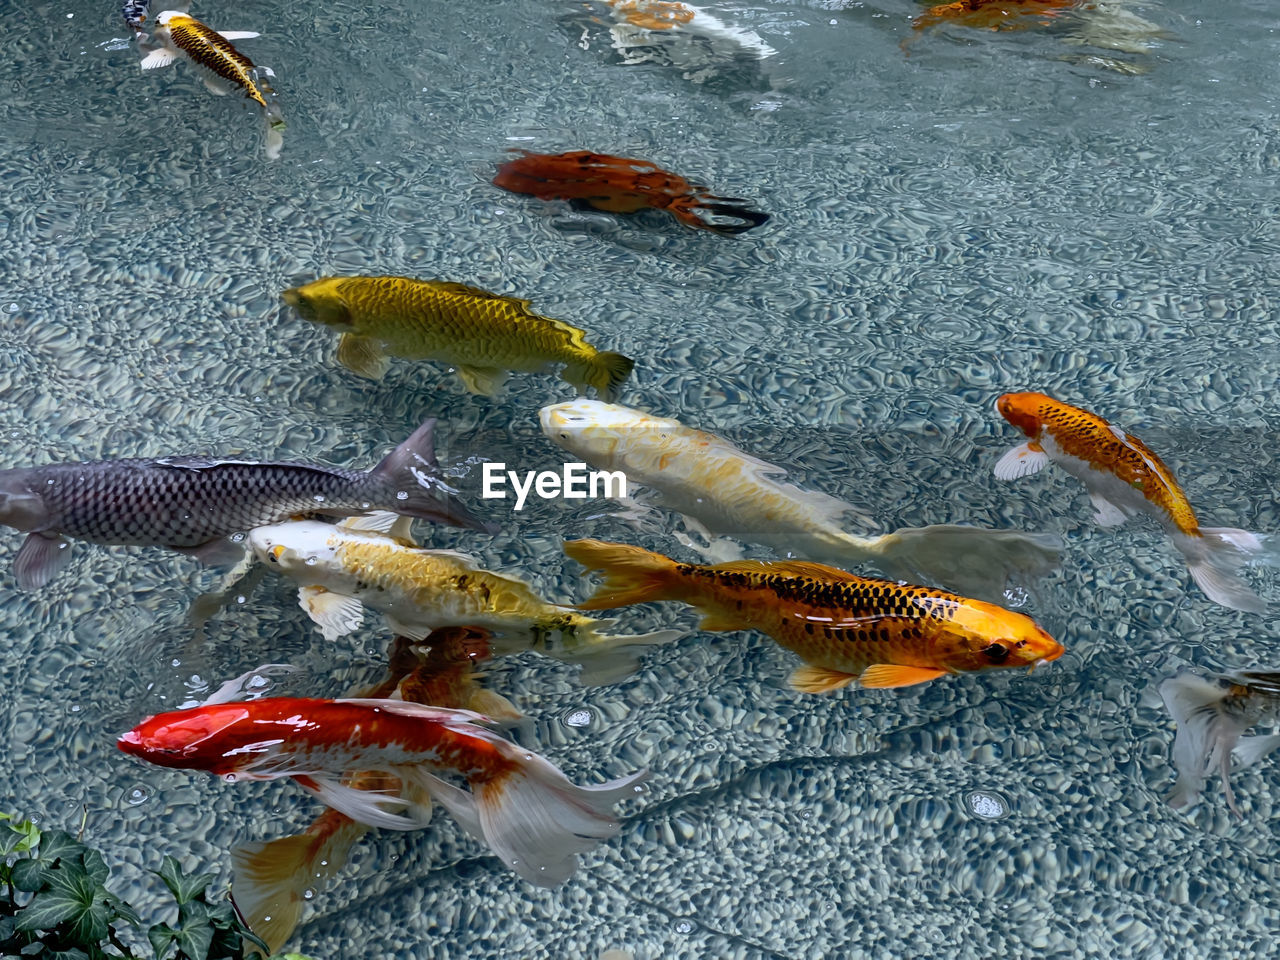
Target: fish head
x=600 y=432
x=298 y=548
x=321 y=302
x=21 y=506
x=1023 y=410
x=196 y=739
x=982 y=636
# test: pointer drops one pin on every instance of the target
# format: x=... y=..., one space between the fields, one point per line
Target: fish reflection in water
x=1211 y=714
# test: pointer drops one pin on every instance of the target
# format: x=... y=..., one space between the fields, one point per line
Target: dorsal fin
x=789 y=568
x=380 y=521
x=463 y=289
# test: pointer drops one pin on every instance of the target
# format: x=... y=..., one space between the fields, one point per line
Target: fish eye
x=996 y=652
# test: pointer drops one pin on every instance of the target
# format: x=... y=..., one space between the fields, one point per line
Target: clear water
x=1087 y=208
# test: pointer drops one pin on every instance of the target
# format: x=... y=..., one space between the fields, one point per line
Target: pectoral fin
x=412 y=631
x=40 y=560
x=819 y=680
x=1106 y=513
x=716 y=621
x=486 y=381
x=1022 y=461
x=362 y=356
x=216 y=553
x=238 y=34
x=334 y=613
x=158 y=58
x=896 y=675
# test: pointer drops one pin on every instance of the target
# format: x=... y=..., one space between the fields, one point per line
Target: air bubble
x=318 y=498
x=987 y=804
x=401 y=495
x=308 y=894
x=578 y=718
x=684 y=926
x=139 y=794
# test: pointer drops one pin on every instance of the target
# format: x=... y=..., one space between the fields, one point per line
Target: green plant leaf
x=45 y=912
x=28 y=875
x=123 y=910
x=194 y=939
x=183 y=888
x=59 y=845
x=71 y=953
x=19 y=838
x=69 y=897
x=161 y=936
x=96 y=867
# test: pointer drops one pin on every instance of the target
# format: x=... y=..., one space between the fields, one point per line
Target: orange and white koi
x=522 y=806
x=729 y=492
x=994 y=14
x=844 y=627
x=1211 y=715
x=1124 y=478
x=220 y=65
x=681 y=35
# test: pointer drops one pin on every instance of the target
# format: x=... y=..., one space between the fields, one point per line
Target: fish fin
x=1022 y=461
x=791 y=568
x=486 y=381
x=466 y=290
x=240 y=688
x=618 y=657
x=537 y=821
x=369 y=807
x=215 y=84
x=40 y=559
x=275 y=139
x=160 y=57
x=412 y=467
x=335 y=614
x=412 y=631
x=460 y=804
x=1105 y=513
x=493 y=705
x=1216 y=558
x=362 y=356
x=238 y=34
x=467 y=721
x=217 y=553
x=972 y=561
x=606 y=371
x=270 y=880
x=1249 y=750
x=632 y=574
x=897 y=675
x=811 y=679
x=718 y=621
x=1206 y=734
x=379 y=521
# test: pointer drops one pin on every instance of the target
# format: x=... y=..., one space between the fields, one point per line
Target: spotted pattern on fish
x=209 y=49
x=1086 y=436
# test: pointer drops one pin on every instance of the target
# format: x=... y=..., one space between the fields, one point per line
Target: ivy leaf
x=161 y=935
x=183 y=888
x=70 y=896
x=70 y=953
x=56 y=848
x=60 y=845
x=96 y=867
x=19 y=838
x=123 y=910
x=28 y=875
x=195 y=938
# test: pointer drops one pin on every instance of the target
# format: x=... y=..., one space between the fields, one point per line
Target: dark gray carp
x=197 y=505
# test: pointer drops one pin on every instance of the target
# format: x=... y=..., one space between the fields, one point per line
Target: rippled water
x=1086 y=208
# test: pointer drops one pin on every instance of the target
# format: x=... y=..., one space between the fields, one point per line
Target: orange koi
x=994 y=14
x=844 y=627
x=1125 y=478
x=623 y=185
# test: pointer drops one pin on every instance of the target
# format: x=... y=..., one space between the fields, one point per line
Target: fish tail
x=531 y=815
x=1207 y=733
x=1216 y=558
x=615 y=658
x=688 y=210
x=271 y=879
x=606 y=371
x=412 y=470
x=632 y=574
x=969 y=560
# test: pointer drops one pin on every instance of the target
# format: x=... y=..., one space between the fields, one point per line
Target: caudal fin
x=1216 y=559
x=731 y=218
x=615 y=658
x=1207 y=733
x=607 y=371
x=632 y=574
x=270 y=880
x=969 y=560
x=411 y=472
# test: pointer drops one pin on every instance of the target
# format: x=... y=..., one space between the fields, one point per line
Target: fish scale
x=210 y=50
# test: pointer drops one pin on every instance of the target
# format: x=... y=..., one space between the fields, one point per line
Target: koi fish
x=135 y=13
x=623 y=185
x=522 y=806
x=680 y=35
x=220 y=65
x=994 y=14
x=483 y=334
x=729 y=492
x=194 y=504
x=1123 y=479
x=844 y=627
x=271 y=879
x=1211 y=715
x=372 y=562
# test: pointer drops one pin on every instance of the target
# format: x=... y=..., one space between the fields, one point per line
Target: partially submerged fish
x=271 y=879
x=221 y=66
x=370 y=561
x=681 y=35
x=194 y=504
x=523 y=807
x=994 y=14
x=844 y=627
x=623 y=185
x=1211 y=715
x=730 y=492
x=135 y=13
x=483 y=334
x=1124 y=478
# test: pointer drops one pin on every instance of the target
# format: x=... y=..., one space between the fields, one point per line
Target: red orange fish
x=994 y=14
x=1125 y=478
x=623 y=185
